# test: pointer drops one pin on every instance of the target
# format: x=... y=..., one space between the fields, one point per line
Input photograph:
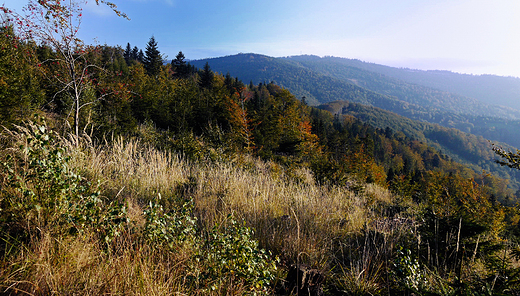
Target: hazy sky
x=467 y=36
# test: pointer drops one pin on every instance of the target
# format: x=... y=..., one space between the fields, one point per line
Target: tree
x=128 y=54
x=135 y=53
x=55 y=24
x=206 y=77
x=153 y=59
x=179 y=66
x=140 y=56
x=228 y=82
x=20 y=91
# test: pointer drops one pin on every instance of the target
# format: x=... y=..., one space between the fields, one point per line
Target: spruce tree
x=179 y=65
x=206 y=77
x=228 y=82
x=135 y=54
x=153 y=59
x=128 y=54
x=140 y=56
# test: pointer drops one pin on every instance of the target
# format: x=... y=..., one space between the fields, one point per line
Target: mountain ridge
x=327 y=82
x=489 y=88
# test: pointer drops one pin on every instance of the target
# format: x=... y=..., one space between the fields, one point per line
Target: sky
x=464 y=36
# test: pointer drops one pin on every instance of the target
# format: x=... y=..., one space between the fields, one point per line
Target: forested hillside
x=329 y=79
x=474 y=151
x=123 y=175
x=419 y=91
x=490 y=89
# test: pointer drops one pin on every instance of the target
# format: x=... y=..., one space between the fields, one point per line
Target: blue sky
x=467 y=36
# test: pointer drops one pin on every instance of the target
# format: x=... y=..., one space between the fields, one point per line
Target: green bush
x=40 y=193
x=409 y=274
x=168 y=229
x=233 y=254
x=227 y=257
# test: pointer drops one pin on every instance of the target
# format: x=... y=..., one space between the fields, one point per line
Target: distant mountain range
x=490 y=89
x=466 y=102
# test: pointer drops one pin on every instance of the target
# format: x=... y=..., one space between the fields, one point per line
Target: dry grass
x=79 y=267
x=287 y=215
x=298 y=220
x=129 y=169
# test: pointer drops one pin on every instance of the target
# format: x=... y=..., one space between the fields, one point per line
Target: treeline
x=125 y=88
x=190 y=106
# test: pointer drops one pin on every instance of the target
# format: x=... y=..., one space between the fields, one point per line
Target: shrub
x=168 y=229
x=232 y=254
x=40 y=193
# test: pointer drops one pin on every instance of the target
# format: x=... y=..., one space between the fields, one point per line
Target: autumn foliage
x=193 y=182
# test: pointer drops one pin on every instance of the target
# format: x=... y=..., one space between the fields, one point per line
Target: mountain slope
x=322 y=80
x=419 y=87
x=490 y=89
x=471 y=150
x=302 y=82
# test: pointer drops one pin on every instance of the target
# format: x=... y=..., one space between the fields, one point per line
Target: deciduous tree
x=55 y=24
x=509 y=158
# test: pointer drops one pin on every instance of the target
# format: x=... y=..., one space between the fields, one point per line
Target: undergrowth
x=127 y=218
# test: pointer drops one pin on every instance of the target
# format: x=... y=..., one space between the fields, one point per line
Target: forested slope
x=120 y=174
x=490 y=89
x=474 y=151
x=331 y=79
x=418 y=87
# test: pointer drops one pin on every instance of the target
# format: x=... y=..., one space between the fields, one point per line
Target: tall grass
x=293 y=217
x=328 y=227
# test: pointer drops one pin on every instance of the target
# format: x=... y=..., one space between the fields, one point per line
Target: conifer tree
x=128 y=54
x=179 y=65
x=228 y=82
x=153 y=59
x=19 y=83
x=206 y=77
x=135 y=53
x=140 y=56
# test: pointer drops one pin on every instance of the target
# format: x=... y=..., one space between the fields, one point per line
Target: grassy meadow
x=169 y=218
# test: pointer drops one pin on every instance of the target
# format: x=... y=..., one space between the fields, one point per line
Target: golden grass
x=298 y=220
x=129 y=169
x=293 y=218
x=79 y=267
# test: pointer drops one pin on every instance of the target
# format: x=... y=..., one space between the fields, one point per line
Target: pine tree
x=140 y=56
x=20 y=93
x=228 y=82
x=135 y=53
x=179 y=65
x=206 y=77
x=128 y=54
x=153 y=59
